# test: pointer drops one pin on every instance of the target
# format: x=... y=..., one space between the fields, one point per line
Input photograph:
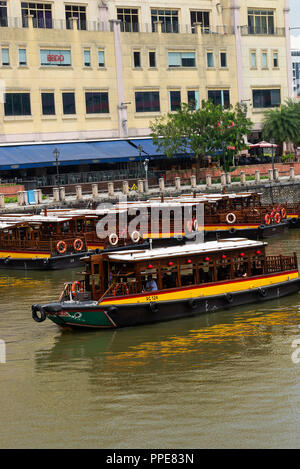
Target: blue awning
x=148 y=148
x=41 y=155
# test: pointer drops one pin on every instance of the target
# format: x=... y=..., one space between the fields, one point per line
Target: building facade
x=296 y=72
x=104 y=69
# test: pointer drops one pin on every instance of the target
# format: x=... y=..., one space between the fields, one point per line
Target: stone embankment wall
x=284 y=192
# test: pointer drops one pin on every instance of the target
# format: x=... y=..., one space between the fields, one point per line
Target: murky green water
x=224 y=380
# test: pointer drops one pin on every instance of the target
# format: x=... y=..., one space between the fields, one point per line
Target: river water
x=224 y=380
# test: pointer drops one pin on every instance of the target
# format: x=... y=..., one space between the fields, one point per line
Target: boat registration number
x=152 y=298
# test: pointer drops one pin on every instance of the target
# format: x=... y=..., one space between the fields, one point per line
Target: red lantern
x=150 y=266
x=170 y=264
x=224 y=257
x=189 y=261
x=242 y=254
x=206 y=259
x=258 y=252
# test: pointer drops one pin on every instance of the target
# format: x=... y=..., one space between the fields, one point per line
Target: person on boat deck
x=151 y=284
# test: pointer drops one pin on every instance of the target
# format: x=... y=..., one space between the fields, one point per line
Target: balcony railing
x=253 y=31
x=63 y=24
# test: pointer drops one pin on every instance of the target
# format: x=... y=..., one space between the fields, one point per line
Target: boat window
x=223 y=268
x=123 y=279
x=205 y=270
x=257 y=267
x=119 y=272
x=240 y=266
x=149 y=279
x=65 y=227
x=188 y=274
x=79 y=226
x=96 y=282
x=169 y=277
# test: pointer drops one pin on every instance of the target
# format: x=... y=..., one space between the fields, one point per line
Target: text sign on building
x=55 y=57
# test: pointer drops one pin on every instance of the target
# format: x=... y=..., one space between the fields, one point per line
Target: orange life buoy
x=283 y=212
x=120 y=285
x=74 y=288
x=277 y=217
x=78 y=244
x=267 y=219
x=61 y=247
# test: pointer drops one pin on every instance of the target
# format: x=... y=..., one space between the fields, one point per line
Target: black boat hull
x=92 y=316
x=52 y=263
x=262 y=232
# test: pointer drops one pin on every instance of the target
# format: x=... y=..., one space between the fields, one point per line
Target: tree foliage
x=202 y=132
x=283 y=124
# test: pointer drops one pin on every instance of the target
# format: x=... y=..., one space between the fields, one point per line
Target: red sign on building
x=55 y=58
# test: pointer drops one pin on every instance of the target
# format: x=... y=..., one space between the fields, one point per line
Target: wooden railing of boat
x=48 y=246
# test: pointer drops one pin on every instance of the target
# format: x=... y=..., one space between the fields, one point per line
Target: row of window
x=260 y=21
x=62 y=58
x=97 y=102
x=51 y=57
x=180 y=59
x=266 y=59
x=18 y=104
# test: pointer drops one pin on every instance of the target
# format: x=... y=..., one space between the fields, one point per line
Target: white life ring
x=195 y=225
x=135 y=236
x=113 y=239
x=230 y=218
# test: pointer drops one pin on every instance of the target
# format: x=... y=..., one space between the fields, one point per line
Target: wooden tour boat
x=224 y=215
x=136 y=287
x=37 y=242
x=214 y=215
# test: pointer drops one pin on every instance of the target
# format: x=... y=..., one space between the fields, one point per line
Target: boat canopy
x=187 y=249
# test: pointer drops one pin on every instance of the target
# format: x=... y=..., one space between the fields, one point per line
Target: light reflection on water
x=215 y=381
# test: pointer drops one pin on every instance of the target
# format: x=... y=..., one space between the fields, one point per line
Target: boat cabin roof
x=88 y=213
x=34 y=219
x=187 y=249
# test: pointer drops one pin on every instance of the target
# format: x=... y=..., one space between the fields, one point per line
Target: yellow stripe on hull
x=162 y=235
x=207 y=290
x=23 y=255
x=93 y=247
x=229 y=227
